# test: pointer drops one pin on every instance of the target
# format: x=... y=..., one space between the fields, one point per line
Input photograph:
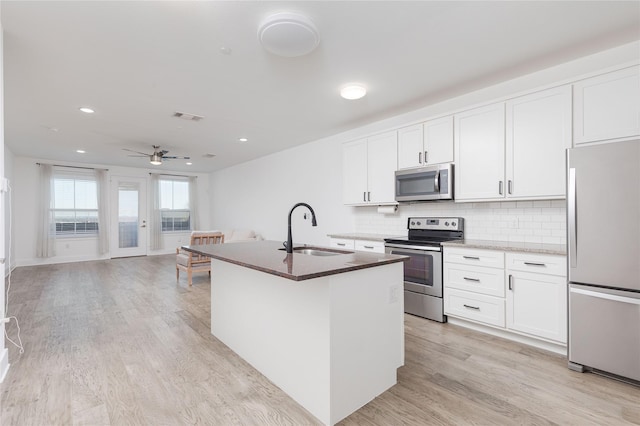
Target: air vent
x=188 y=117
x=209 y=155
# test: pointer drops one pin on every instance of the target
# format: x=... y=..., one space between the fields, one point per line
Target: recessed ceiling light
x=80 y=151
x=225 y=50
x=242 y=140
x=87 y=110
x=189 y=163
x=353 y=91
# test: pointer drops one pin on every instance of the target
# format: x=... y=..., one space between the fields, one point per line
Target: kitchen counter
x=264 y=256
x=332 y=343
x=555 y=249
x=366 y=237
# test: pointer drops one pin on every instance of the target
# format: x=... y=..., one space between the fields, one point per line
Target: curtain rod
x=166 y=174
x=74 y=167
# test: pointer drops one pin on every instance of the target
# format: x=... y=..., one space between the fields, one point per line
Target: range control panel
x=436 y=223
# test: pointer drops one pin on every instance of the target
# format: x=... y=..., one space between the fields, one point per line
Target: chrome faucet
x=289 y=243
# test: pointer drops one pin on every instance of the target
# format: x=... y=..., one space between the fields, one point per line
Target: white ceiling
x=136 y=63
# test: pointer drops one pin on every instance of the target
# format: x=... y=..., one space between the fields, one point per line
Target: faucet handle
x=284 y=244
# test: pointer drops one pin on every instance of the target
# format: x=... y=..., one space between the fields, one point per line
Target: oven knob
x=453 y=224
x=446 y=224
x=418 y=223
x=413 y=223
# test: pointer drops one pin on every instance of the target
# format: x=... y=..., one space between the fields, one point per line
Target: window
x=174 y=205
x=75 y=205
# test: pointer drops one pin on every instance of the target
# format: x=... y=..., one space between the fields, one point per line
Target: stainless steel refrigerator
x=603 y=227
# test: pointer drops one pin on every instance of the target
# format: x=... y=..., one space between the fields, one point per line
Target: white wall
x=4 y=353
x=25 y=199
x=258 y=194
x=10 y=252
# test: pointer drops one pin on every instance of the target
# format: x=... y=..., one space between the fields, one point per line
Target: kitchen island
x=327 y=330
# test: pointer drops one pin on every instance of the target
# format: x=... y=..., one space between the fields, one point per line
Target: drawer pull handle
x=475 y=280
x=471 y=257
x=342 y=244
x=477 y=308
x=534 y=264
x=369 y=247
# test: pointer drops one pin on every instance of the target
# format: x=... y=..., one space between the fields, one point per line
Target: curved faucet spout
x=313 y=223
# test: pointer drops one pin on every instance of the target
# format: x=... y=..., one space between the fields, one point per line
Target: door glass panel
x=128 y=200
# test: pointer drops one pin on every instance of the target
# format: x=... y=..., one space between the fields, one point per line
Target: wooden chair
x=192 y=262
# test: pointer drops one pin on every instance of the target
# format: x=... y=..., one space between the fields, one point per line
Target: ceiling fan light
x=156 y=159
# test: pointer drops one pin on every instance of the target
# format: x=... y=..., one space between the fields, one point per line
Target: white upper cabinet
x=607 y=107
x=425 y=144
x=538 y=134
x=369 y=167
x=479 y=153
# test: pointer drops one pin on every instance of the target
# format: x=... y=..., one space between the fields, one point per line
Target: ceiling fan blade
x=174 y=157
x=138 y=156
x=137 y=152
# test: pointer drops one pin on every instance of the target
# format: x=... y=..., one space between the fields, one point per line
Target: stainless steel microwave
x=425 y=183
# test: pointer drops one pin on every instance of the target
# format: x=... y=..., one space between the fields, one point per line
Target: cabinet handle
x=341 y=244
x=509 y=186
x=425 y=157
x=420 y=158
x=500 y=188
x=477 y=308
x=471 y=257
x=364 y=196
x=510 y=282
x=369 y=196
x=534 y=264
x=475 y=280
x=436 y=182
x=369 y=247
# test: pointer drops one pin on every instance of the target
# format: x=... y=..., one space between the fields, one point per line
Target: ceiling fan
x=157 y=156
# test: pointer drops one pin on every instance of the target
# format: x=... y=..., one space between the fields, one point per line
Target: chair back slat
x=203 y=239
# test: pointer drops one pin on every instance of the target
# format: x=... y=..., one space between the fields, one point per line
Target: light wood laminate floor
x=119 y=342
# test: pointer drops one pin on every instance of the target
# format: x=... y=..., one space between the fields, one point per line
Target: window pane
x=63 y=193
x=166 y=194
x=181 y=195
x=86 y=194
x=65 y=221
x=175 y=221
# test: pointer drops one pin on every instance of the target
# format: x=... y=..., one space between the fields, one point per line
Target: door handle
x=572 y=215
x=425 y=157
x=369 y=196
x=143 y=226
x=471 y=257
x=364 y=196
x=510 y=282
x=420 y=158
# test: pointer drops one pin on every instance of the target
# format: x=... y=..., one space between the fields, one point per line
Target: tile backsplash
x=518 y=221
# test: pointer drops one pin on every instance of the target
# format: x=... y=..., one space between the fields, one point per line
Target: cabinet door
x=438 y=141
x=382 y=163
x=537 y=305
x=607 y=106
x=354 y=172
x=538 y=134
x=479 y=153
x=410 y=147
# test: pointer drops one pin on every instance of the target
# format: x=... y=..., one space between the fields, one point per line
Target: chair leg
x=177 y=274
x=189 y=273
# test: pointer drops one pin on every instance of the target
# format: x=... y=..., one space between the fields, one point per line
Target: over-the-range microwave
x=425 y=183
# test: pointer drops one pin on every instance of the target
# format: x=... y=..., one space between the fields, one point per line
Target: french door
x=129 y=216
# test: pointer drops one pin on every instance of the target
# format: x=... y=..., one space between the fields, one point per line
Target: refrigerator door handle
x=572 y=219
x=607 y=296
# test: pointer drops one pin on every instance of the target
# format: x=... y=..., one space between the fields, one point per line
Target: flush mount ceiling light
x=353 y=91
x=242 y=140
x=80 y=151
x=189 y=163
x=288 y=34
x=86 y=110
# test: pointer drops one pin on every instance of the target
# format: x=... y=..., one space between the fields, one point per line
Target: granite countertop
x=264 y=256
x=361 y=236
x=557 y=249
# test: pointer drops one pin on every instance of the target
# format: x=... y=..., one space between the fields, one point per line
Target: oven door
x=423 y=271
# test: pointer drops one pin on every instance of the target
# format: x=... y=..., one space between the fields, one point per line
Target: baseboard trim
x=56 y=260
x=531 y=341
x=4 y=364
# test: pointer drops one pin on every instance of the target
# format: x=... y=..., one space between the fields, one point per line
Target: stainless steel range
x=423 y=271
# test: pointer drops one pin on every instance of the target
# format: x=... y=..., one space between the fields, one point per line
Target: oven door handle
x=410 y=247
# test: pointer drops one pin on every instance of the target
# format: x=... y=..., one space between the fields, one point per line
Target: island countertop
x=265 y=256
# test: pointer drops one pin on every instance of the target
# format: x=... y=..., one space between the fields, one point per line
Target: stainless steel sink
x=318 y=251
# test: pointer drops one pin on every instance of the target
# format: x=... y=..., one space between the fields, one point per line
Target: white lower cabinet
x=359 y=245
x=521 y=293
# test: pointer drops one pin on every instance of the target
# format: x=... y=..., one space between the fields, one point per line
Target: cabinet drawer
x=473 y=306
x=487 y=258
x=342 y=243
x=537 y=263
x=489 y=281
x=371 y=246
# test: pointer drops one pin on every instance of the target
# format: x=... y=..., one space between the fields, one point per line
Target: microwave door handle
x=436 y=182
